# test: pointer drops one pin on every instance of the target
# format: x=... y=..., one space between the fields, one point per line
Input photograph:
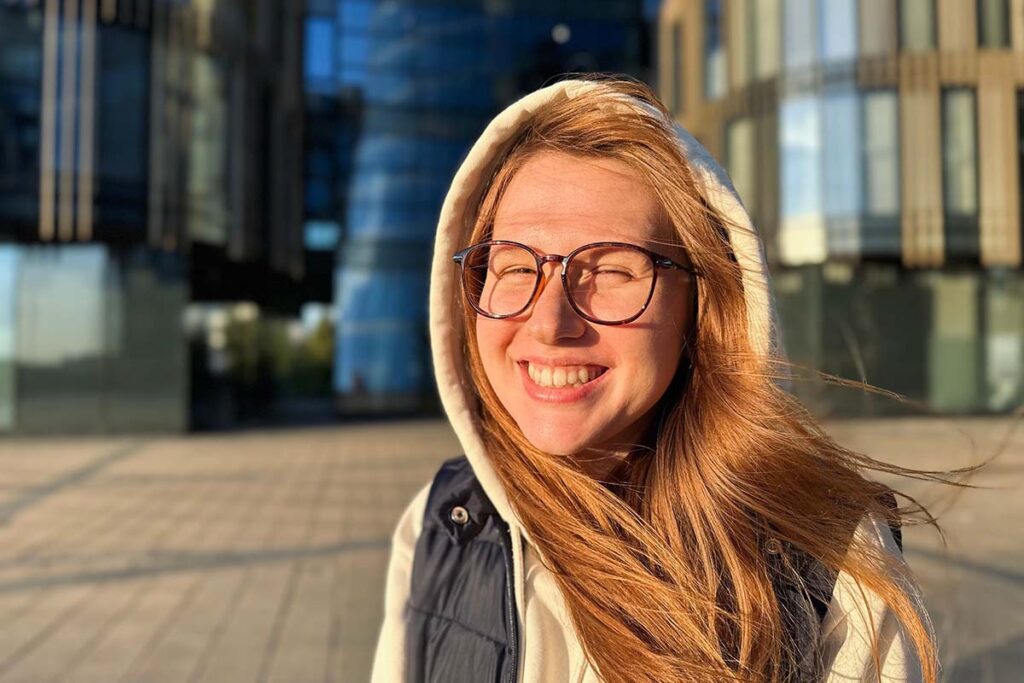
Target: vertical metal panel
x=669 y=79
x=86 y=121
x=157 y=157
x=958 y=25
x=767 y=176
x=68 y=99
x=920 y=161
x=998 y=160
x=48 y=121
x=693 y=45
x=1017 y=26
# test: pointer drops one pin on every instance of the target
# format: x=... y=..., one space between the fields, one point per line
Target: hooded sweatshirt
x=549 y=651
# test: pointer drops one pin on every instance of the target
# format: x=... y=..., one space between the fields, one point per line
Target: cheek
x=660 y=356
x=492 y=338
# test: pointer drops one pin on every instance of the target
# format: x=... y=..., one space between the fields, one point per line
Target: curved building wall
x=877 y=145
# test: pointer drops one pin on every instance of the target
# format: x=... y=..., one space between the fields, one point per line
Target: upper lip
x=560 y=362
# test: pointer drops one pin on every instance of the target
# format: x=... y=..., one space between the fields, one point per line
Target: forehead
x=557 y=202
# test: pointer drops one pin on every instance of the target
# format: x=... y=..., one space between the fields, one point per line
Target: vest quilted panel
x=461 y=622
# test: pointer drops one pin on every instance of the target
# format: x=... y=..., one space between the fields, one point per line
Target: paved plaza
x=260 y=555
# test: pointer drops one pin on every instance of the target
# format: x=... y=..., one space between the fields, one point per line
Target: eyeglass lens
x=607 y=283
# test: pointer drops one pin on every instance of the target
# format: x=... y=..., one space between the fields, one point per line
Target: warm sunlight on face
x=556 y=203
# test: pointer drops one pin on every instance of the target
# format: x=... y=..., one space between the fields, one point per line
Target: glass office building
x=429 y=74
x=892 y=217
x=138 y=173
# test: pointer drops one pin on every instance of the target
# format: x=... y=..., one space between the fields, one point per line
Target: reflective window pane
x=881 y=153
x=799 y=21
x=842 y=176
x=841 y=137
x=917 y=25
x=801 y=235
x=993 y=24
x=959 y=154
x=740 y=160
x=20 y=115
x=838 y=29
x=319 y=53
x=714 y=50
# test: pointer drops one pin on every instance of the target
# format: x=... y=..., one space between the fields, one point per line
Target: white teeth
x=562 y=376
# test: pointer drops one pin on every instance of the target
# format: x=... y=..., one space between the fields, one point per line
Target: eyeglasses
x=608 y=283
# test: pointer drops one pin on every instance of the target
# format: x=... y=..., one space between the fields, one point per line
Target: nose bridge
x=552 y=319
x=554 y=278
x=558 y=258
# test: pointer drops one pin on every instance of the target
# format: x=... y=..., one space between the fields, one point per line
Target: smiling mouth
x=571 y=377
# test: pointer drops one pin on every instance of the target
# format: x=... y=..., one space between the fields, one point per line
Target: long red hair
x=664 y=572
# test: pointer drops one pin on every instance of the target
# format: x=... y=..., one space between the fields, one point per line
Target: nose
x=551 y=316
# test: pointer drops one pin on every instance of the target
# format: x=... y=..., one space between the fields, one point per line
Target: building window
x=677 y=67
x=917 y=25
x=842 y=181
x=739 y=155
x=993 y=24
x=799 y=20
x=881 y=153
x=840 y=131
x=880 y=219
x=801 y=230
x=960 y=171
x=714 y=50
x=838 y=30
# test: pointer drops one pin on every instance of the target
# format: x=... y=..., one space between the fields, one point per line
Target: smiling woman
x=640 y=499
x=557 y=203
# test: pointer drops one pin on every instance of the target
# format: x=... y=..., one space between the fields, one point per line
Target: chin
x=554 y=444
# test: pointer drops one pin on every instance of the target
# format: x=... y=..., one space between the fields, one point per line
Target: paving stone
x=261 y=555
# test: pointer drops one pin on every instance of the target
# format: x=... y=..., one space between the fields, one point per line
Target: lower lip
x=563 y=394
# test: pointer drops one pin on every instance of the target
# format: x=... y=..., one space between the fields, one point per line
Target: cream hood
x=452 y=377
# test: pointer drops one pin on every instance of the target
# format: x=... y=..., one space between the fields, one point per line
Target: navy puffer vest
x=462 y=624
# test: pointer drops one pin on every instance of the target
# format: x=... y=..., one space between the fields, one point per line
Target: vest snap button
x=773 y=546
x=459 y=515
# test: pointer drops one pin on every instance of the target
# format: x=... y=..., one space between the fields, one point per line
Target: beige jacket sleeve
x=846 y=645
x=389 y=658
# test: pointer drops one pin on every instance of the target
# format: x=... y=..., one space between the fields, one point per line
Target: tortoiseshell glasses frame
x=658 y=262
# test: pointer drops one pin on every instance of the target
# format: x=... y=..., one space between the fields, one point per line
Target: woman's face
x=556 y=203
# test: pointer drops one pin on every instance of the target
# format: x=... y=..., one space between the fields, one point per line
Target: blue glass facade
x=430 y=76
